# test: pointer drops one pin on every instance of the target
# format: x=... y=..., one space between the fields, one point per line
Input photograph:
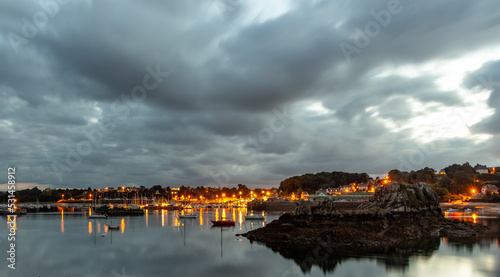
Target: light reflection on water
x=161 y=244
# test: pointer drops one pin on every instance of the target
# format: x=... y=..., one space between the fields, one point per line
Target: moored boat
x=113 y=227
x=222 y=223
x=119 y=211
x=254 y=217
x=98 y=216
x=191 y=216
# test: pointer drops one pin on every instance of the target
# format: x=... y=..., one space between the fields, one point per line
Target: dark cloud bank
x=106 y=93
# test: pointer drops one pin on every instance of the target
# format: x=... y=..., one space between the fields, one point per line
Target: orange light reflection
x=12 y=218
x=62 y=221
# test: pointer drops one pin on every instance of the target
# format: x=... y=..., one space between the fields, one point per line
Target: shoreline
x=488 y=209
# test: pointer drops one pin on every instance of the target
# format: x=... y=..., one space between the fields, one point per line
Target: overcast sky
x=222 y=92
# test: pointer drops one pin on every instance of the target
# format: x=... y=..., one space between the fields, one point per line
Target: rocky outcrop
x=399 y=197
x=399 y=215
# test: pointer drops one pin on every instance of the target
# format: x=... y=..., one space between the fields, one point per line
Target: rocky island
x=398 y=216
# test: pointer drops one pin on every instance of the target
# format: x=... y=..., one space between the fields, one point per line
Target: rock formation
x=398 y=215
x=398 y=197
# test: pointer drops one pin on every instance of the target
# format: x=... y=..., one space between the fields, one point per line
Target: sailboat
x=94 y=215
x=188 y=216
x=222 y=223
x=113 y=227
x=252 y=216
x=98 y=216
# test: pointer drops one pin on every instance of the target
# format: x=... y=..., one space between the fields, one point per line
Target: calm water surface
x=159 y=244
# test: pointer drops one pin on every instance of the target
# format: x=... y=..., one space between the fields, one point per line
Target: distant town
x=455 y=182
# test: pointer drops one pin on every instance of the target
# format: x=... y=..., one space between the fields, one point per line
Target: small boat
x=450 y=210
x=113 y=227
x=98 y=216
x=254 y=217
x=468 y=211
x=222 y=223
x=482 y=211
x=191 y=216
x=172 y=207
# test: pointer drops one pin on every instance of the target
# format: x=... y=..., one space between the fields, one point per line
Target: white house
x=363 y=187
x=346 y=189
x=481 y=169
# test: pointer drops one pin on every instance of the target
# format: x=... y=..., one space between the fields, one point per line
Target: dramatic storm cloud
x=221 y=92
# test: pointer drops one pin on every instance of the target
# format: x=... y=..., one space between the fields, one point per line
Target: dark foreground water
x=158 y=244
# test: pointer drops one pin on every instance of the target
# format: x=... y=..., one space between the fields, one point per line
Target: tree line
x=312 y=182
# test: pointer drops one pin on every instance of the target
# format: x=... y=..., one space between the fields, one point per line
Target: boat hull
x=254 y=218
x=188 y=216
x=222 y=223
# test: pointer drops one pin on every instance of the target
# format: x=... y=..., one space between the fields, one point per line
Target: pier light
x=234 y=196
x=223 y=195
